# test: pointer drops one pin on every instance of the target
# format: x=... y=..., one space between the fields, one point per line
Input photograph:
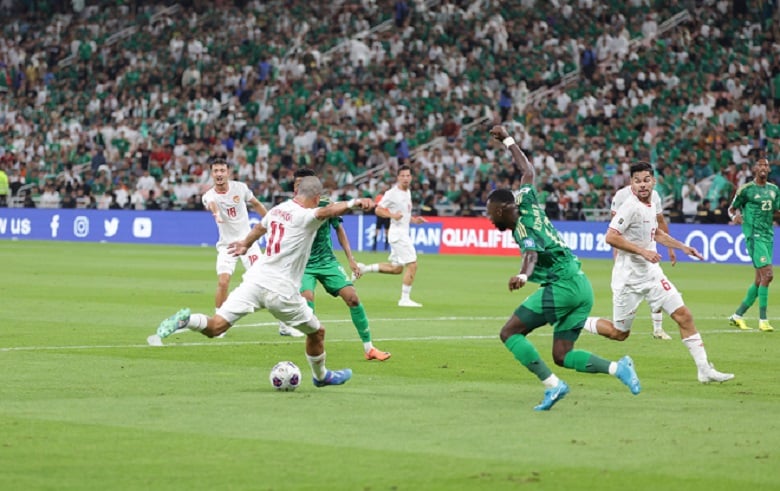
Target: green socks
x=360 y=320
x=525 y=353
x=763 y=301
x=585 y=361
x=750 y=297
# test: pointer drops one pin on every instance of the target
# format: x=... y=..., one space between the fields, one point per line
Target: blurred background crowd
x=120 y=104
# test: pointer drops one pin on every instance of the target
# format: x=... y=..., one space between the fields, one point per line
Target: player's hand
x=737 y=219
x=672 y=256
x=515 y=283
x=237 y=248
x=364 y=204
x=397 y=216
x=217 y=218
x=418 y=220
x=691 y=251
x=499 y=133
x=651 y=256
x=355 y=270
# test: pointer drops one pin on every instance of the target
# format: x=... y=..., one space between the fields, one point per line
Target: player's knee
x=559 y=355
x=509 y=330
x=350 y=297
x=683 y=317
x=317 y=336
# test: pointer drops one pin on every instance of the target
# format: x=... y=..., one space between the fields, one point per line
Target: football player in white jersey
x=227 y=201
x=637 y=274
x=274 y=284
x=617 y=200
x=396 y=204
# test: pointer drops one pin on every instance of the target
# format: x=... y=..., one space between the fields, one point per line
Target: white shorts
x=402 y=251
x=226 y=262
x=290 y=309
x=661 y=294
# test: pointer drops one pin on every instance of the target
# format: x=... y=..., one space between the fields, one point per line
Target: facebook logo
x=55 y=225
x=142 y=228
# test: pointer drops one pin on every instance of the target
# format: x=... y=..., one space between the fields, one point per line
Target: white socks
x=371 y=268
x=551 y=381
x=406 y=290
x=658 y=318
x=696 y=346
x=317 y=364
x=590 y=325
x=368 y=346
x=198 y=322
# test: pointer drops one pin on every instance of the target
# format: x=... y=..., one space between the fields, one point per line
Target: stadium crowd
x=121 y=104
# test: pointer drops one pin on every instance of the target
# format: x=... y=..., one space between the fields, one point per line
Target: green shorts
x=565 y=304
x=760 y=251
x=332 y=277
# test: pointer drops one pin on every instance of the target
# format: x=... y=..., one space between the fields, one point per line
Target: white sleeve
x=622 y=219
x=387 y=200
x=207 y=198
x=246 y=193
x=617 y=200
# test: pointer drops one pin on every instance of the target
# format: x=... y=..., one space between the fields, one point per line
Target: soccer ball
x=285 y=376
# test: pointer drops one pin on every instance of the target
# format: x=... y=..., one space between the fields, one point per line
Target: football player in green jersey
x=565 y=296
x=323 y=266
x=754 y=206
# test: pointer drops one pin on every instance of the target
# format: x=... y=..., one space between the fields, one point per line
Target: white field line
x=544 y=332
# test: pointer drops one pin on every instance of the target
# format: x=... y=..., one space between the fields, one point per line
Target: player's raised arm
x=500 y=134
x=341 y=207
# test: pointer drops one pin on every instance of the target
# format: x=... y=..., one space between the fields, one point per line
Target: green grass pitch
x=85 y=404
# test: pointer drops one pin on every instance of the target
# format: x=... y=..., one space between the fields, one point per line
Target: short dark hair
x=641 y=166
x=503 y=195
x=303 y=172
x=217 y=161
x=403 y=168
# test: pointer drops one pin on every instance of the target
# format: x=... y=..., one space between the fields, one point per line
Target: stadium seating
x=93 y=99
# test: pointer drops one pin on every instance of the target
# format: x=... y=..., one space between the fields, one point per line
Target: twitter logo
x=111 y=227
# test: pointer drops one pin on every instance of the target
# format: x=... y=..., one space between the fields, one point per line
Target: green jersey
x=758 y=204
x=322 y=247
x=534 y=232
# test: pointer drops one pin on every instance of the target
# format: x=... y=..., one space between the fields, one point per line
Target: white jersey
x=232 y=206
x=637 y=222
x=625 y=192
x=396 y=201
x=290 y=232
